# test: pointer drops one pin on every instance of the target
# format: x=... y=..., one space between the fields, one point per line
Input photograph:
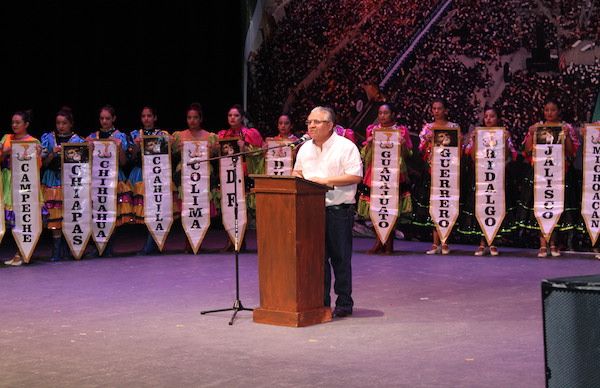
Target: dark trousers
x=338 y=254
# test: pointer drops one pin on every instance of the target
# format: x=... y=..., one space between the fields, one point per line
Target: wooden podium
x=290 y=232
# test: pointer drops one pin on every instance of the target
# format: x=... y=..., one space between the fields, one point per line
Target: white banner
x=158 y=194
x=195 y=186
x=26 y=196
x=590 y=201
x=77 y=197
x=445 y=180
x=385 y=181
x=2 y=216
x=549 y=177
x=232 y=187
x=279 y=161
x=105 y=175
x=490 y=162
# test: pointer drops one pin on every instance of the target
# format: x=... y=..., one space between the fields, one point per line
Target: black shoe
x=341 y=312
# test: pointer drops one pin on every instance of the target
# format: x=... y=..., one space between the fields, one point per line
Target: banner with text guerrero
x=445 y=180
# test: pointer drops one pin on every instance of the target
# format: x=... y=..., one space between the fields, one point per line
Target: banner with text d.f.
x=105 y=177
x=27 y=205
x=231 y=175
x=77 y=197
x=195 y=187
x=279 y=158
x=549 y=177
x=590 y=201
x=445 y=179
x=490 y=162
x=385 y=181
x=158 y=194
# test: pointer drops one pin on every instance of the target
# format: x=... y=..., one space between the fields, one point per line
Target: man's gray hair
x=327 y=110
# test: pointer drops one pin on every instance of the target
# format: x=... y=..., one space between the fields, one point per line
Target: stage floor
x=419 y=321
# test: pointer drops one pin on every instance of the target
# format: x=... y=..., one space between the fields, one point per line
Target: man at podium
x=333 y=160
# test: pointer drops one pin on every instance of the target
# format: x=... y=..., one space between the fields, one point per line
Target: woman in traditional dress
x=20 y=125
x=195 y=131
x=51 y=180
x=386 y=118
x=421 y=216
x=525 y=210
x=107 y=118
x=148 y=118
x=468 y=224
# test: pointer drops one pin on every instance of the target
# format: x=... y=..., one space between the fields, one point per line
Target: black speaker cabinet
x=571 y=308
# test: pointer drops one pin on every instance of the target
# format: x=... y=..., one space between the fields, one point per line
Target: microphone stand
x=237 y=303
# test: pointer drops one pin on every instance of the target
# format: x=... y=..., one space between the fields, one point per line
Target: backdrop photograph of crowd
x=414 y=66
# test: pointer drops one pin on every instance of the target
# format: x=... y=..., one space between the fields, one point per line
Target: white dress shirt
x=338 y=156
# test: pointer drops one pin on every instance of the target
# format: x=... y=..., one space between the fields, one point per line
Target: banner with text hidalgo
x=490 y=163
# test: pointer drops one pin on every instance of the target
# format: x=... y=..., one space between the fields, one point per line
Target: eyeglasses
x=316 y=122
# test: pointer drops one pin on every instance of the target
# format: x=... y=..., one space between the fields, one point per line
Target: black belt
x=341 y=206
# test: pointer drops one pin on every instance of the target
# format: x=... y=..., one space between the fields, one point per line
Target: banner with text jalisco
x=549 y=177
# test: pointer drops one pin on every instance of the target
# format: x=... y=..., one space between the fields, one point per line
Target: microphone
x=300 y=141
